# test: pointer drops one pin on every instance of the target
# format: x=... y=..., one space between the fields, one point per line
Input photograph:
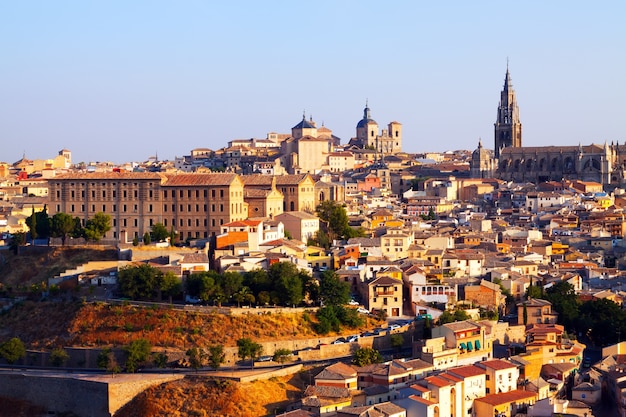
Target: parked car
x=362 y=310
x=353 y=303
x=393 y=327
x=264 y=358
x=353 y=338
x=339 y=341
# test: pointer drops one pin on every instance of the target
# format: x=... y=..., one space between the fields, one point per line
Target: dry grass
x=200 y=396
x=44 y=325
x=39 y=263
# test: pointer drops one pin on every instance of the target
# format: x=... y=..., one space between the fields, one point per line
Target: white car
x=363 y=310
x=353 y=303
x=393 y=327
x=352 y=339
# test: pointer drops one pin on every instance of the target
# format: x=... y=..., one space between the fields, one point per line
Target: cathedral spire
x=508 y=128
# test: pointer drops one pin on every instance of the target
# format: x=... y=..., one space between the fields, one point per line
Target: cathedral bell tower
x=508 y=128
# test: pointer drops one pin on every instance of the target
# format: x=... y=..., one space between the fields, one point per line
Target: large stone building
x=513 y=162
x=193 y=205
x=386 y=142
x=508 y=128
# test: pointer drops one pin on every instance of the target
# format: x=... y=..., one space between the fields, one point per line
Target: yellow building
x=395 y=244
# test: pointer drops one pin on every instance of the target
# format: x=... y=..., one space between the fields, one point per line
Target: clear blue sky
x=121 y=80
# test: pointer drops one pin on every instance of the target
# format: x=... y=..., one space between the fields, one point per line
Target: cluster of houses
x=435 y=239
x=456 y=373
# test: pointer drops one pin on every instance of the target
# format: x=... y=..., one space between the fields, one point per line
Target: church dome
x=304 y=124
x=367 y=118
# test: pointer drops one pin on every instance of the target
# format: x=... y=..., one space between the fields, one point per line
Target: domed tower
x=367 y=130
x=508 y=128
x=482 y=164
x=304 y=128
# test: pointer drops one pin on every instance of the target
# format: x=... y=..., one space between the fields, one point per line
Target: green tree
x=282 y=355
x=564 y=300
x=12 y=350
x=287 y=283
x=43 y=223
x=257 y=280
x=196 y=357
x=78 y=230
x=332 y=290
x=140 y=281
x=159 y=232
x=263 y=298
x=97 y=227
x=216 y=356
x=366 y=356
x=19 y=239
x=135 y=241
x=397 y=341
x=335 y=217
x=61 y=225
x=107 y=361
x=137 y=352
x=146 y=238
x=248 y=349
x=160 y=360
x=31 y=222
x=169 y=285
x=230 y=283
x=321 y=239
x=58 y=357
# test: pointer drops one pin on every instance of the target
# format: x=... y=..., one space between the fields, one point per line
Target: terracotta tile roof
x=422 y=400
x=437 y=381
x=257 y=180
x=195 y=258
x=109 y=176
x=298 y=214
x=291 y=179
x=497 y=364
x=255 y=193
x=338 y=370
x=507 y=397
x=200 y=179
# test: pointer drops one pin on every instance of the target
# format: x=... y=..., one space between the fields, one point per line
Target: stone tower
x=508 y=128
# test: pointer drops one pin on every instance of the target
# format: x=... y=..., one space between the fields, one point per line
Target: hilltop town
x=461 y=283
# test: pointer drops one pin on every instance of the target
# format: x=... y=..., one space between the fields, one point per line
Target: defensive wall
x=84 y=395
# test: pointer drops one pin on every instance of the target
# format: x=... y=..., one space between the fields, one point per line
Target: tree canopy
x=12 y=350
x=335 y=217
x=366 y=356
x=159 y=232
x=332 y=290
x=247 y=348
x=146 y=282
x=97 y=227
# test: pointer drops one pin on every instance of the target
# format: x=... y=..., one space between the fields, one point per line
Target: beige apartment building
x=193 y=205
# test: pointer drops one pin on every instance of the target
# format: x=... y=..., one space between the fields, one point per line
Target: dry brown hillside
x=44 y=325
x=201 y=396
x=36 y=264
